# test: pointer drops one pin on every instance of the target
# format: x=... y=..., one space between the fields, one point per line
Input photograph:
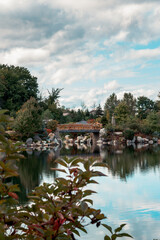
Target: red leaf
x=13 y=195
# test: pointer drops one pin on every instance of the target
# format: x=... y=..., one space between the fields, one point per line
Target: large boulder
x=29 y=141
x=102 y=132
x=37 y=139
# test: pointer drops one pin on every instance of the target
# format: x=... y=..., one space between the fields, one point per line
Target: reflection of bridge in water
x=76 y=129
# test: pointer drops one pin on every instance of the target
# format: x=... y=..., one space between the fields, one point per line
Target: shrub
x=52 y=125
x=28 y=118
x=128 y=134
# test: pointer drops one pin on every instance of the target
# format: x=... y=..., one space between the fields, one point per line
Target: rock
x=51 y=136
x=139 y=139
x=151 y=142
x=29 y=141
x=99 y=142
x=145 y=140
x=155 y=139
x=134 y=139
x=119 y=133
x=37 y=139
x=102 y=132
x=129 y=142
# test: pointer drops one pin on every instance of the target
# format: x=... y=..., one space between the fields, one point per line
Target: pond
x=129 y=194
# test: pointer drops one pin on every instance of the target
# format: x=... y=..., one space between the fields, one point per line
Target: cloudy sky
x=91 y=48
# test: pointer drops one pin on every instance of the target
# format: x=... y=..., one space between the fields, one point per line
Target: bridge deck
x=79 y=128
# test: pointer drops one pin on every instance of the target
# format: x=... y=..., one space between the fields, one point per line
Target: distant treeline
x=20 y=95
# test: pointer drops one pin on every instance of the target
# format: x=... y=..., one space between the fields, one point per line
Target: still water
x=129 y=194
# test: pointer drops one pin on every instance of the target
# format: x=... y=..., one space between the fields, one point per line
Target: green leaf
x=76 y=161
x=114 y=236
x=100 y=164
x=86 y=165
x=62 y=181
x=76 y=232
x=93 y=181
x=82 y=229
x=58 y=169
x=119 y=228
x=88 y=192
x=108 y=227
x=61 y=162
x=107 y=237
x=124 y=235
x=98 y=174
x=89 y=200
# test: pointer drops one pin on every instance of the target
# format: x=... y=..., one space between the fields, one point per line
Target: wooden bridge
x=79 y=128
x=76 y=128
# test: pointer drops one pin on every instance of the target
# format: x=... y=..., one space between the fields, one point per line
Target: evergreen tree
x=110 y=105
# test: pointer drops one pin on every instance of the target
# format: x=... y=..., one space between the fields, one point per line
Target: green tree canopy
x=121 y=113
x=99 y=111
x=28 y=118
x=17 y=85
x=111 y=104
x=144 y=106
x=130 y=101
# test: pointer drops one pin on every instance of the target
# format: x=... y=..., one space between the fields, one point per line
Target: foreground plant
x=9 y=154
x=61 y=209
x=55 y=211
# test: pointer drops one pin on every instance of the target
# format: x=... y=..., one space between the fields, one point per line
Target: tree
x=130 y=101
x=158 y=103
x=28 y=118
x=144 y=106
x=153 y=121
x=17 y=85
x=121 y=113
x=52 y=100
x=111 y=104
x=99 y=111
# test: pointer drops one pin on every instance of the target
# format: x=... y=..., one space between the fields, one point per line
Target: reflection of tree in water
x=125 y=164
x=31 y=168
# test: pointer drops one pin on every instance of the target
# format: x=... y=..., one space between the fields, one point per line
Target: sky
x=90 y=48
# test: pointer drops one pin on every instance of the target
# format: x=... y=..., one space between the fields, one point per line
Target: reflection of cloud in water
x=135 y=202
x=130 y=193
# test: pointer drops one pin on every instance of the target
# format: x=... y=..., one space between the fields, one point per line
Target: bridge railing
x=79 y=126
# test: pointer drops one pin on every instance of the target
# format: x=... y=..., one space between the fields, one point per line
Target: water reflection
x=123 y=163
x=32 y=169
x=130 y=193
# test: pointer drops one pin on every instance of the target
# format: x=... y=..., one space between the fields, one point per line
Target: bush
x=128 y=134
x=28 y=118
x=52 y=125
x=147 y=129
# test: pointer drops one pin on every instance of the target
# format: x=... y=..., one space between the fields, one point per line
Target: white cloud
x=147 y=54
x=82 y=44
x=20 y=56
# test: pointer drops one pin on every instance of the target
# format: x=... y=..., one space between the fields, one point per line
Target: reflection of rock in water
x=53 y=154
x=29 y=151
